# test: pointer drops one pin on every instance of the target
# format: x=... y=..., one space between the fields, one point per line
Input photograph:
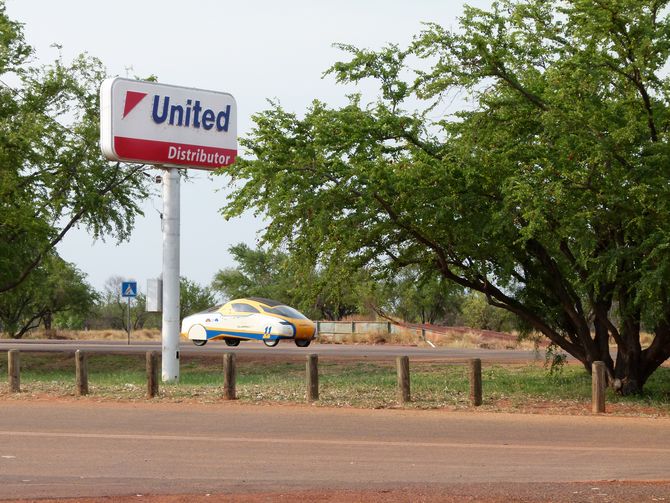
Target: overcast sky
x=253 y=49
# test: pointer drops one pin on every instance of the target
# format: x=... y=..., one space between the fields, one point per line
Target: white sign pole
x=170 y=334
x=129 y=321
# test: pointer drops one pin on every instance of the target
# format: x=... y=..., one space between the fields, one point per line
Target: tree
x=420 y=299
x=258 y=274
x=478 y=313
x=56 y=287
x=112 y=308
x=548 y=193
x=193 y=298
x=52 y=174
x=327 y=293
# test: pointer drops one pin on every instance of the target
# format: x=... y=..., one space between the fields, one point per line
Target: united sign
x=168 y=125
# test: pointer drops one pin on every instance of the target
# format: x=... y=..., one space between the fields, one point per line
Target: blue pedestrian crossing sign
x=129 y=289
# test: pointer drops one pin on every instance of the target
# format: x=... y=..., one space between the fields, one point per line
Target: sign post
x=169 y=127
x=170 y=334
x=129 y=291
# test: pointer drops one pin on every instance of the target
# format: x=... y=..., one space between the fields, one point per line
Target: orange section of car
x=304 y=329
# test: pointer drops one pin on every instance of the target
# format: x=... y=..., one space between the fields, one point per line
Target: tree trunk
x=47 y=320
x=628 y=377
x=658 y=352
x=628 y=367
x=627 y=371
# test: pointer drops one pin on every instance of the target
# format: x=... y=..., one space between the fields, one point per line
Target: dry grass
x=448 y=338
x=151 y=334
x=404 y=338
x=454 y=337
x=646 y=339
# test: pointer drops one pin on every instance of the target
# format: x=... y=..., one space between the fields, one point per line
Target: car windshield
x=244 y=308
x=289 y=312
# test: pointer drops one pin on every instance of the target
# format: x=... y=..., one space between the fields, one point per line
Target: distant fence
x=338 y=331
x=334 y=330
x=358 y=327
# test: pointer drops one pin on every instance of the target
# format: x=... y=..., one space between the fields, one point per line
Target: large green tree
x=326 y=293
x=549 y=192
x=54 y=288
x=417 y=298
x=52 y=174
x=193 y=297
x=259 y=273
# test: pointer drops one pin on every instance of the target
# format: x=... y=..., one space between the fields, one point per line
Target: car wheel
x=302 y=343
x=199 y=342
x=270 y=342
x=232 y=342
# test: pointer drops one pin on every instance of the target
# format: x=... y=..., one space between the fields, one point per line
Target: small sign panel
x=152 y=123
x=129 y=289
x=154 y=295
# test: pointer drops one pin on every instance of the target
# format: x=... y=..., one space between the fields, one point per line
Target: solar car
x=252 y=318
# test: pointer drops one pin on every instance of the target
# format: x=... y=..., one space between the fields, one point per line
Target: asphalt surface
x=283 y=349
x=81 y=448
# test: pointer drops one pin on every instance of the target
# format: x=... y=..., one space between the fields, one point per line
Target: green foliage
x=418 y=298
x=476 y=312
x=193 y=298
x=554 y=360
x=55 y=290
x=548 y=193
x=259 y=273
x=52 y=174
x=329 y=292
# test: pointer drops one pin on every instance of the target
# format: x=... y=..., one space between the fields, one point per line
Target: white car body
x=245 y=319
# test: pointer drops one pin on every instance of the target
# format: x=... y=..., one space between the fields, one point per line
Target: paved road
x=69 y=449
x=284 y=349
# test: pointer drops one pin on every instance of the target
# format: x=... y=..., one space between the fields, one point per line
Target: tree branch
x=74 y=219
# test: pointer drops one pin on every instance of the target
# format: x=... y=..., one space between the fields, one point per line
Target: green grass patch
x=349 y=383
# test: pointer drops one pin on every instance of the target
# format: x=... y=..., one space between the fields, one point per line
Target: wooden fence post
x=598 y=387
x=81 y=369
x=229 y=375
x=475 y=382
x=14 y=370
x=152 y=373
x=312 y=377
x=402 y=366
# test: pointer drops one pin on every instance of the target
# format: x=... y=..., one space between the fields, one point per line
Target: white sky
x=253 y=49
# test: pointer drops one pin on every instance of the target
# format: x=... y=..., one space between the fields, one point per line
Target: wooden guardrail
x=14 y=370
x=598 y=384
x=475 y=382
x=81 y=373
x=229 y=376
x=402 y=372
x=152 y=373
x=311 y=378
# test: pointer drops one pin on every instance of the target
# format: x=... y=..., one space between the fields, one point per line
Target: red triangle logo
x=132 y=99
